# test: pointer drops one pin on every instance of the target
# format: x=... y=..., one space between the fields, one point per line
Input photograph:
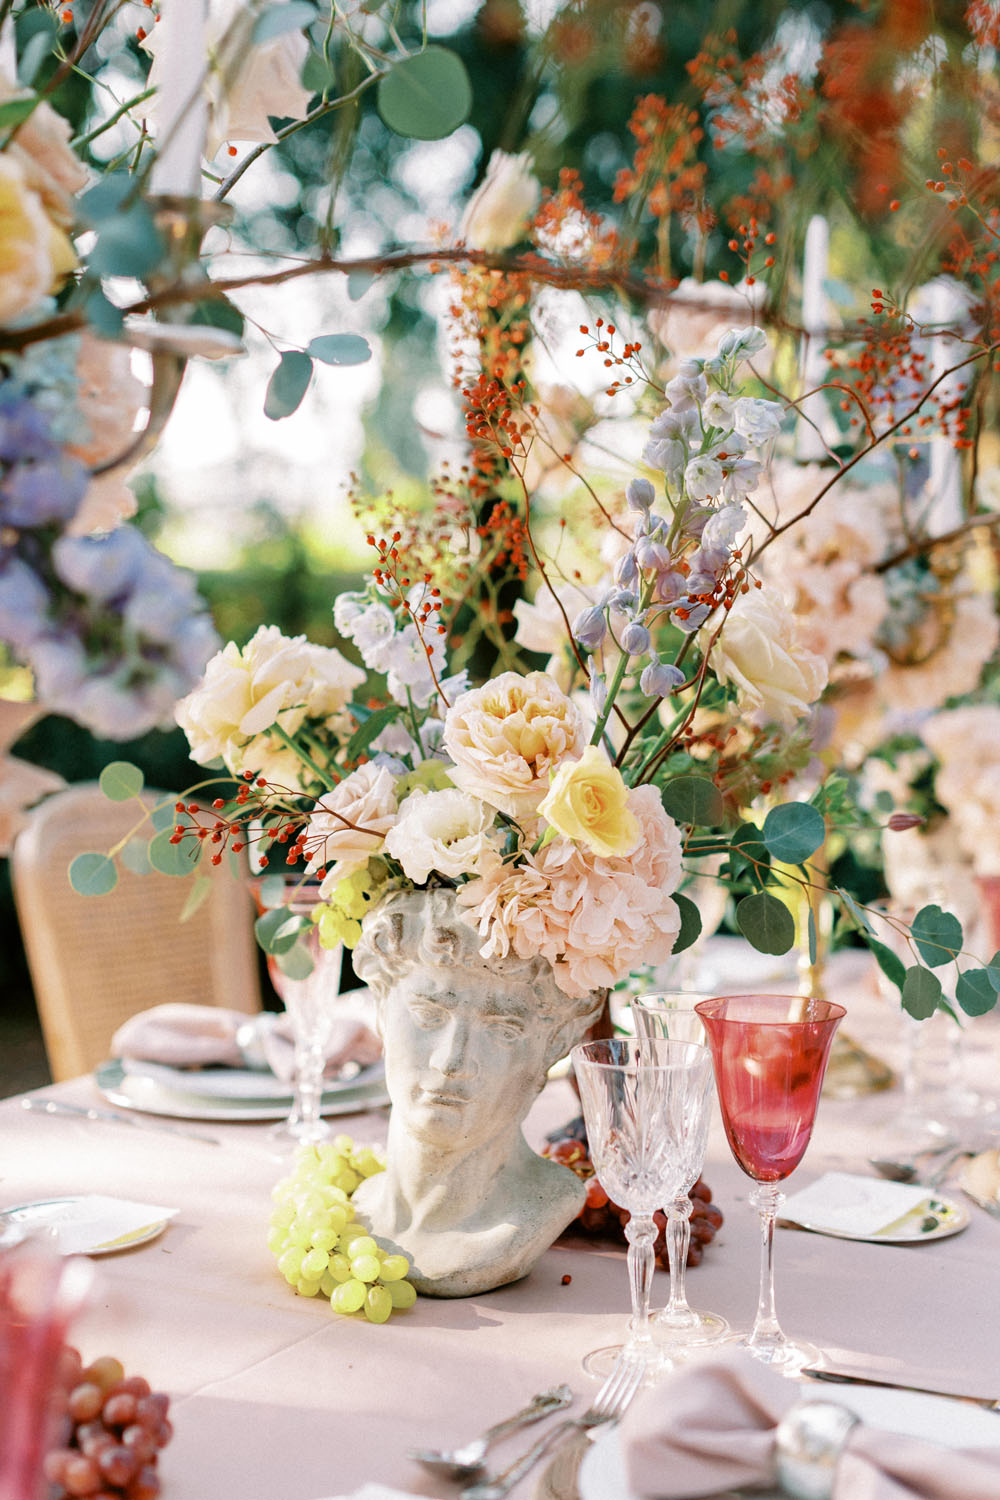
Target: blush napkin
x=200 y=1036
x=709 y=1427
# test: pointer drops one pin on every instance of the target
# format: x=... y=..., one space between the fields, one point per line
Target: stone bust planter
x=468 y=1044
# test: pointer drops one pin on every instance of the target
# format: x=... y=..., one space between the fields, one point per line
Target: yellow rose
x=27 y=266
x=588 y=802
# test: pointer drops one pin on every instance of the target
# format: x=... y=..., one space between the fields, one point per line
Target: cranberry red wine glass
x=643 y=1100
x=770 y=1054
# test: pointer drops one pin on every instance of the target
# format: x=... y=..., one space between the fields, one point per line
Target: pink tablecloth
x=275 y=1398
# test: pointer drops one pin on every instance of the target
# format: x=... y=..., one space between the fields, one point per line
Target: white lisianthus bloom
x=498 y=213
x=247 y=82
x=408 y=665
x=758 y=421
x=703 y=477
x=760 y=651
x=446 y=831
x=349 y=824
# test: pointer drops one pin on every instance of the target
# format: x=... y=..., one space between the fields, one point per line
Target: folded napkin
x=710 y=1427
x=200 y=1036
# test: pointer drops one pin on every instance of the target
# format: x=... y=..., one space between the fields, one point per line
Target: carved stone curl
x=468 y=1044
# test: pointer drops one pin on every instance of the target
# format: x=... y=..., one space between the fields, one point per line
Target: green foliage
x=890 y=963
x=793 y=831
x=288 y=384
x=693 y=800
x=921 y=992
x=766 y=923
x=278 y=930
x=120 y=781
x=426 y=96
x=690 y=923
x=938 y=935
x=974 y=993
x=340 y=349
x=174 y=859
x=93 y=875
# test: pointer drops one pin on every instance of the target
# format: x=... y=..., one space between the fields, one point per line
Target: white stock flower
x=369 y=624
x=408 y=666
x=758 y=421
x=717 y=410
x=703 y=477
x=759 y=651
x=498 y=213
x=446 y=831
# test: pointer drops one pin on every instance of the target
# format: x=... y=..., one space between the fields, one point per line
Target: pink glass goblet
x=770 y=1054
x=40 y=1293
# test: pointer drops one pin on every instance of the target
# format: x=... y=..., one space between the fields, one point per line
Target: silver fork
x=467 y=1460
x=608 y=1406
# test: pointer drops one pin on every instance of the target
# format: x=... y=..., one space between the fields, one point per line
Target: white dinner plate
x=238 y=1085
x=953 y=1424
x=47 y=1213
x=134 y=1091
x=934 y=1221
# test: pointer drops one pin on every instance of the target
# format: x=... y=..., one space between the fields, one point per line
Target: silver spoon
x=912 y=1171
x=467 y=1460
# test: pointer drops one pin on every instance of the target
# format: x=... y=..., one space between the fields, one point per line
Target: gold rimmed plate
x=45 y=1215
x=936 y=1219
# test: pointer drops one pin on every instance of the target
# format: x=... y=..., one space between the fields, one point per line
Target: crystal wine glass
x=643 y=1100
x=671 y=1016
x=770 y=1053
x=309 y=1005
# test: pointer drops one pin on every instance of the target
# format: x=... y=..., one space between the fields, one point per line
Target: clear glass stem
x=677 y=1313
x=640 y=1231
x=766 y=1336
x=310 y=1063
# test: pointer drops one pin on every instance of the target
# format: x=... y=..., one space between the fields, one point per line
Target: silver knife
x=63 y=1107
x=838 y=1379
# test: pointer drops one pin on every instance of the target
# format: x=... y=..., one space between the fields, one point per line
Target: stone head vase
x=468 y=1043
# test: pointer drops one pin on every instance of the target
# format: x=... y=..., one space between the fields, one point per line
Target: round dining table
x=275 y=1397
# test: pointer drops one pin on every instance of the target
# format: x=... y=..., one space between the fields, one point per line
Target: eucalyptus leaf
x=694 y=800
x=793 y=831
x=174 y=859
x=164 y=816
x=37 y=31
x=277 y=931
x=93 y=874
x=993 y=971
x=921 y=992
x=103 y=316
x=690 y=923
x=974 y=993
x=358 y=283
x=287 y=385
x=811 y=937
x=426 y=96
x=135 y=856
x=766 y=923
x=196 y=897
x=890 y=963
x=128 y=244
x=317 y=74
x=277 y=20
x=297 y=963
x=270 y=890
x=855 y=911
x=120 y=781
x=937 y=934
x=340 y=349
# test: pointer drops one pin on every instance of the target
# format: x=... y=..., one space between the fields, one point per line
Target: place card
x=847 y=1204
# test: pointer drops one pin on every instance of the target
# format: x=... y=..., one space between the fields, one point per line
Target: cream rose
x=588 y=802
x=498 y=213
x=274 y=680
x=445 y=831
x=505 y=737
x=42 y=150
x=761 y=653
x=349 y=824
x=27 y=267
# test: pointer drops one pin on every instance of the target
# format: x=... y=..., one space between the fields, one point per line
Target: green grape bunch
x=321 y=1247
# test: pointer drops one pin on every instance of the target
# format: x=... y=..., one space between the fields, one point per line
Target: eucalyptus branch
x=286 y=130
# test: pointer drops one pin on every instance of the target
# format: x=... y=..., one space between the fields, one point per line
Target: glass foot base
x=296 y=1132
x=787 y=1356
x=698 y=1329
x=600 y=1362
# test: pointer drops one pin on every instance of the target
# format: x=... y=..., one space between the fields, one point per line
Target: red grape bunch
x=109 y=1434
x=603 y=1219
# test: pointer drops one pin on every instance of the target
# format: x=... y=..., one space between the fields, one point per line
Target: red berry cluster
x=603 y=1219
x=111 y=1429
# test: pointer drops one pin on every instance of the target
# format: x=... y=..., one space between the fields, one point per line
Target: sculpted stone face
x=459 y=1056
